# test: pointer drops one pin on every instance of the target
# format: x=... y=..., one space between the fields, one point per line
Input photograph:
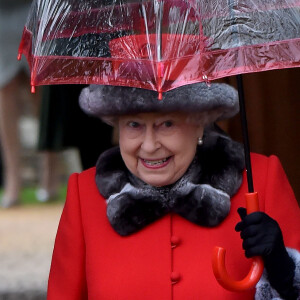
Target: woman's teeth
x=155 y=162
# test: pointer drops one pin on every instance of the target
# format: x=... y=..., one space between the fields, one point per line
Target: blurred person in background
x=13 y=15
x=63 y=125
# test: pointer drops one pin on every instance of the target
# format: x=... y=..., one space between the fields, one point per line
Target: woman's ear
x=200 y=130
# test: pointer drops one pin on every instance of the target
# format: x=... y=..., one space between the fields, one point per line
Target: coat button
x=175 y=241
x=175 y=277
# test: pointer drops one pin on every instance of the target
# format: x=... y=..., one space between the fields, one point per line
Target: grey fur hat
x=218 y=101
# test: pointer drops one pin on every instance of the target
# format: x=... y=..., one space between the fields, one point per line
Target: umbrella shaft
x=245 y=133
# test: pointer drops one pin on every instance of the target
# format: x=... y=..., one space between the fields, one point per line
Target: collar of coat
x=201 y=196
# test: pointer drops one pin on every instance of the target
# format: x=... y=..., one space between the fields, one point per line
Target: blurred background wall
x=273 y=107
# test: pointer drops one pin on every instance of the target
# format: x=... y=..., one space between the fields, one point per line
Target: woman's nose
x=150 y=141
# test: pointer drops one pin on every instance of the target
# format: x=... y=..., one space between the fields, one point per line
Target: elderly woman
x=143 y=223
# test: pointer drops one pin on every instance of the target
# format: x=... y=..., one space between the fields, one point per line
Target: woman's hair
x=111 y=120
x=204 y=118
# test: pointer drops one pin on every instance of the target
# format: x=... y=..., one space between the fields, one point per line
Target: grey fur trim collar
x=202 y=195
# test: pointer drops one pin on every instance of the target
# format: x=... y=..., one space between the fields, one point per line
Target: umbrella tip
x=33 y=89
x=159 y=96
x=19 y=56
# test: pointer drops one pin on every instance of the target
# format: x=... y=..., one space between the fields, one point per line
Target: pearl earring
x=200 y=141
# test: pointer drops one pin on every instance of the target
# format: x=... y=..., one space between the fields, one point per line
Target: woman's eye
x=133 y=124
x=168 y=124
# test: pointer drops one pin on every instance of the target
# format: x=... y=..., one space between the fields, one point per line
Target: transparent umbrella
x=159 y=44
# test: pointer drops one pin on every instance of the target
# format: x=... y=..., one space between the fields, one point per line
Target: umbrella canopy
x=158 y=44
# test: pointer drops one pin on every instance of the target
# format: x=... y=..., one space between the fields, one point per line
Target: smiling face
x=156 y=147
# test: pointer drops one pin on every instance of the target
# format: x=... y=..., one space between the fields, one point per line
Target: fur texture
x=202 y=195
x=264 y=290
x=220 y=100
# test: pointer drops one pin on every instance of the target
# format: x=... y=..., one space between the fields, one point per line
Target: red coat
x=91 y=261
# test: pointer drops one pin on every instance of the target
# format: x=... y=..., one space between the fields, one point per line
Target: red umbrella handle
x=218 y=260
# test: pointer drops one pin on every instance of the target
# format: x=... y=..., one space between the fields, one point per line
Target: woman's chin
x=157 y=181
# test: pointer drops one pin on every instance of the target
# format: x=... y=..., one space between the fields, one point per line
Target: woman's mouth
x=155 y=164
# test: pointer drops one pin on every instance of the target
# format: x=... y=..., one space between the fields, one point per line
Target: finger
x=259 y=250
x=242 y=212
x=239 y=226
x=253 y=218
x=254 y=241
x=254 y=251
x=250 y=231
x=248 y=220
x=249 y=243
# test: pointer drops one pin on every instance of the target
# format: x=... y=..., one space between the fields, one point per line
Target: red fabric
x=91 y=261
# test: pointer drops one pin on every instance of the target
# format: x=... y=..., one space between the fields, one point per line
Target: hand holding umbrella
x=262 y=236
